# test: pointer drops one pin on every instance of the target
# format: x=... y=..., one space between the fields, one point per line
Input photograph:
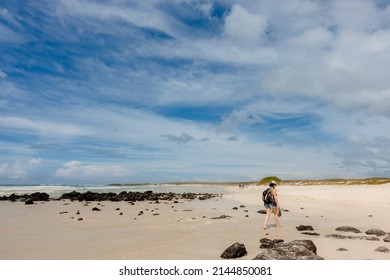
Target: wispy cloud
x=48 y=128
x=2 y=74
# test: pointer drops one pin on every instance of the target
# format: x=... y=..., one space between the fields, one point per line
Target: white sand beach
x=186 y=230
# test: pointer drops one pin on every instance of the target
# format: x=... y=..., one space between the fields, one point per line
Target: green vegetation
x=182 y=184
x=266 y=180
x=339 y=181
x=128 y=185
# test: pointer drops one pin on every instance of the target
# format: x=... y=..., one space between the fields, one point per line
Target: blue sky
x=99 y=91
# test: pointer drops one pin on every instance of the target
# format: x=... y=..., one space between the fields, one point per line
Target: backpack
x=267 y=196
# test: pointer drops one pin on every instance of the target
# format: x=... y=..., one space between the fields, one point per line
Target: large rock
x=294 y=250
x=29 y=202
x=237 y=250
x=221 y=217
x=266 y=243
x=342 y=249
x=375 y=231
x=306 y=243
x=348 y=229
x=310 y=233
x=369 y=238
x=387 y=239
x=39 y=196
x=382 y=249
x=305 y=228
x=339 y=236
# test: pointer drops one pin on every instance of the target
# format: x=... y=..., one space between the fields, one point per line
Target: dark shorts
x=270 y=205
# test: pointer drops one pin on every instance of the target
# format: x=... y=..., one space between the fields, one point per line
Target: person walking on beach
x=271 y=204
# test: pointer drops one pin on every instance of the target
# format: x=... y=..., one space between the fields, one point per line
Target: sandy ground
x=187 y=231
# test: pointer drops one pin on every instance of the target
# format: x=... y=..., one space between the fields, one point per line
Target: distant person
x=271 y=203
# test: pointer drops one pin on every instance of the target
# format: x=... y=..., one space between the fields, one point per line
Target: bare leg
x=276 y=216
x=266 y=217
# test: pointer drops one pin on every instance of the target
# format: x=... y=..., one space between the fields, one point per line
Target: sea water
x=55 y=191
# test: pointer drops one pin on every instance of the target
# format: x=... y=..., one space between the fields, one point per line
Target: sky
x=99 y=91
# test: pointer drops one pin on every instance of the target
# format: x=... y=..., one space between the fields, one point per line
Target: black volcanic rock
x=305 y=228
x=294 y=250
x=382 y=249
x=348 y=229
x=237 y=250
x=266 y=243
x=310 y=233
x=221 y=217
x=339 y=236
x=134 y=196
x=29 y=202
x=375 y=231
x=342 y=250
x=37 y=196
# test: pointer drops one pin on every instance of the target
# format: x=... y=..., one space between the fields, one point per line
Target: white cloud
x=240 y=25
x=3 y=12
x=351 y=74
x=19 y=169
x=73 y=163
x=4 y=168
x=35 y=161
x=48 y=128
x=248 y=115
x=368 y=156
x=317 y=37
x=355 y=14
x=2 y=74
x=78 y=170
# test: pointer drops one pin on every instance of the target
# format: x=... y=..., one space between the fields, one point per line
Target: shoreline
x=193 y=229
x=55 y=191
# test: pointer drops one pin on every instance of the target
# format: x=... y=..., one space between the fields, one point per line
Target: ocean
x=55 y=191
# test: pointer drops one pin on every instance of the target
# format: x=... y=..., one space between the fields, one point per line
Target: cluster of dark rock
x=135 y=196
x=372 y=234
x=28 y=198
x=276 y=249
x=110 y=196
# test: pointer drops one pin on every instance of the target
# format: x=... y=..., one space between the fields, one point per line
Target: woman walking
x=271 y=204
